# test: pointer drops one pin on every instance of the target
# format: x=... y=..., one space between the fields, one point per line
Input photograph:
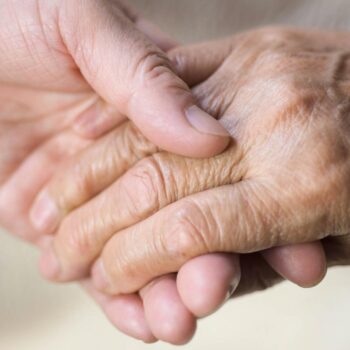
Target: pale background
x=35 y=315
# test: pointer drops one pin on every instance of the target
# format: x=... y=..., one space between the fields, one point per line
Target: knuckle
x=273 y=61
x=144 y=187
x=151 y=65
x=179 y=60
x=74 y=240
x=189 y=234
x=117 y=266
x=155 y=69
x=214 y=99
x=81 y=188
x=274 y=35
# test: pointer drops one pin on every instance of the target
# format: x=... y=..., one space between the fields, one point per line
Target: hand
x=49 y=85
x=287 y=179
x=202 y=283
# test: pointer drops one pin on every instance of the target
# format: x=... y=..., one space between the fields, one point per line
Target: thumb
x=130 y=72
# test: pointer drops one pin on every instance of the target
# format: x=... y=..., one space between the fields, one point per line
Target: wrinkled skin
x=288 y=176
x=283 y=180
x=48 y=86
x=284 y=97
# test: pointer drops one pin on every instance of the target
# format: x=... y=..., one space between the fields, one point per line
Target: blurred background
x=36 y=315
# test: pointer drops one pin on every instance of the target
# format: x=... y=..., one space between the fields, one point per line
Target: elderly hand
x=204 y=283
x=85 y=231
x=284 y=96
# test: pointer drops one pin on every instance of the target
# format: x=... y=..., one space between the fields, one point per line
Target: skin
x=49 y=86
x=287 y=167
x=51 y=95
x=288 y=178
x=76 y=243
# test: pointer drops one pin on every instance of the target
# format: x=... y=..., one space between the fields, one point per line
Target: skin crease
x=78 y=233
x=290 y=170
x=284 y=179
x=43 y=97
x=47 y=87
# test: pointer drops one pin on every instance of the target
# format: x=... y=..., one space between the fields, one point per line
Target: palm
x=35 y=138
x=39 y=99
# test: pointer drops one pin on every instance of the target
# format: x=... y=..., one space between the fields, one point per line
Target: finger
x=226 y=219
x=206 y=282
x=163 y=41
x=303 y=264
x=18 y=193
x=153 y=32
x=125 y=312
x=197 y=62
x=256 y=275
x=142 y=191
x=337 y=250
x=167 y=316
x=87 y=174
x=134 y=75
x=97 y=119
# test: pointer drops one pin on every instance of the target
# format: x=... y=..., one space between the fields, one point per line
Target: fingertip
x=126 y=313
x=169 y=118
x=206 y=282
x=303 y=264
x=167 y=316
x=44 y=214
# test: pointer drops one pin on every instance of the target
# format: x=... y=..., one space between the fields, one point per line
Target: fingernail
x=49 y=264
x=99 y=276
x=204 y=123
x=233 y=286
x=44 y=214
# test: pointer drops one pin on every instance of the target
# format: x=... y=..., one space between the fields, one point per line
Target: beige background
x=35 y=315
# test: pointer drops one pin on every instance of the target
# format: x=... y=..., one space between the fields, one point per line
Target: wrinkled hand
x=137 y=195
x=203 y=283
x=286 y=105
x=283 y=95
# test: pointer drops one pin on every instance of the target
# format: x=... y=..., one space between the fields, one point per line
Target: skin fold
x=50 y=95
x=288 y=178
x=54 y=102
x=284 y=179
x=49 y=86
